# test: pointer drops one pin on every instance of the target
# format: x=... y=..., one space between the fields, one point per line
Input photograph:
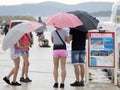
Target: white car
x=15 y=22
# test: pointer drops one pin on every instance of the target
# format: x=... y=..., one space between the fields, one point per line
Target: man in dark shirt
x=78 y=53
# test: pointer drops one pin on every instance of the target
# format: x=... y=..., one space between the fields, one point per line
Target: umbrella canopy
x=17 y=32
x=63 y=20
x=89 y=21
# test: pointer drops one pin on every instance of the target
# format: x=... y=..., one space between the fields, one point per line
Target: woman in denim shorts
x=25 y=42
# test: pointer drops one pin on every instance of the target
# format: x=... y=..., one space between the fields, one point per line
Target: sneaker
x=55 y=85
x=22 y=79
x=76 y=83
x=81 y=83
x=6 y=80
x=27 y=80
x=62 y=85
x=15 y=84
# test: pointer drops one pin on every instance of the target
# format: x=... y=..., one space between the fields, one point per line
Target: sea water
x=103 y=18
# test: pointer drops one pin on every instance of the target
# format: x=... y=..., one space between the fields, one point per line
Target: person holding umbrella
x=78 y=38
x=59 y=37
x=15 y=55
x=20 y=49
x=25 y=41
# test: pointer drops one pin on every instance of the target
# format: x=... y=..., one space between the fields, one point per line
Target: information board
x=101 y=49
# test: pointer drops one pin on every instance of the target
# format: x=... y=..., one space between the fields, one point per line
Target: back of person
x=56 y=38
x=78 y=39
x=78 y=53
x=24 y=41
x=59 y=37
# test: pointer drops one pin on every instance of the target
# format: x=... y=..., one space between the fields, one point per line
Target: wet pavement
x=41 y=71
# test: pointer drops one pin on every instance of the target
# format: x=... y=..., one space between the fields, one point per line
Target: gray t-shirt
x=56 y=38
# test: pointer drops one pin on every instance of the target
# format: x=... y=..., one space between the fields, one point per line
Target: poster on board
x=101 y=48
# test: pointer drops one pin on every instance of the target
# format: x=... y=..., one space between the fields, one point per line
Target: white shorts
x=15 y=53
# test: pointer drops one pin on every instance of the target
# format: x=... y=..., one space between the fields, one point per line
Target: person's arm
x=68 y=39
x=19 y=46
x=52 y=39
x=16 y=46
x=30 y=38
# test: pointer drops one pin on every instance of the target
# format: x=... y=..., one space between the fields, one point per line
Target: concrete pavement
x=40 y=71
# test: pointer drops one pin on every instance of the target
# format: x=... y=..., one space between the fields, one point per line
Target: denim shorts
x=78 y=57
x=17 y=53
x=39 y=33
x=23 y=52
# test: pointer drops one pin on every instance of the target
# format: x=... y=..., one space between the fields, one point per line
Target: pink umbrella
x=17 y=32
x=63 y=20
x=32 y=26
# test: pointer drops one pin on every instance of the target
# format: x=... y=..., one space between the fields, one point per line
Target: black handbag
x=62 y=46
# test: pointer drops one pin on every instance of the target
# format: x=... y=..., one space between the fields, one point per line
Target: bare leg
x=63 y=69
x=25 y=65
x=76 y=70
x=42 y=37
x=10 y=74
x=39 y=39
x=23 y=70
x=82 y=72
x=55 y=70
x=16 y=62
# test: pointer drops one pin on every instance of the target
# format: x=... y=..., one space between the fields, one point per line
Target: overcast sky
x=14 y=2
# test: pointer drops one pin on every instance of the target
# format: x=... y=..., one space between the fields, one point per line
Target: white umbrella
x=17 y=32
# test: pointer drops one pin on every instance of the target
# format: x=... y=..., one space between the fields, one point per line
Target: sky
x=71 y=2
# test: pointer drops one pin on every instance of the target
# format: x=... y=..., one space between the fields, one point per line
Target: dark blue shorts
x=39 y=33
x=78 y=57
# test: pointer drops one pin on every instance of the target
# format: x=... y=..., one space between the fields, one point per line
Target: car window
x=15 y=23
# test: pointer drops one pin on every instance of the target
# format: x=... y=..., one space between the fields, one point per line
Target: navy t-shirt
x=78 y=38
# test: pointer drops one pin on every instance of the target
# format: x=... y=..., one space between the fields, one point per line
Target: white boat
x=114 y=22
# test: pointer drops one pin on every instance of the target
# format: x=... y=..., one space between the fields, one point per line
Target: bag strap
x=60 y=37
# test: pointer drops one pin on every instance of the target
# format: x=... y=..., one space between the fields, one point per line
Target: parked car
x=12 y=23
x=15 y=22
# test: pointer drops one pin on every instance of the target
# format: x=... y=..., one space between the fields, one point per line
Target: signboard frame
x=101 y=48
x=114 y=46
